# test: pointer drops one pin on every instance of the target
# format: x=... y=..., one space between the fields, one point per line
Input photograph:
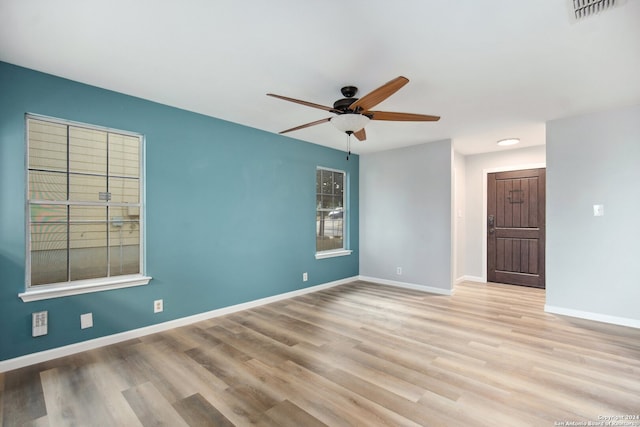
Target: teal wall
x=230 y=213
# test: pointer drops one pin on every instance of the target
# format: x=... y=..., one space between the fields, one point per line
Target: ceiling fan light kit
x=353 y=114
x=349 y=122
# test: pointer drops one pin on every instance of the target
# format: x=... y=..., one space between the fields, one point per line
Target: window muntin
x=330 y=209
x=84 y=203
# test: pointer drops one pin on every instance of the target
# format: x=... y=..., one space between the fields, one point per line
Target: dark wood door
x=516 y=227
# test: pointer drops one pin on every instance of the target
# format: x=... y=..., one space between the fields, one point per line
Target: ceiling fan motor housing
x=343 y=104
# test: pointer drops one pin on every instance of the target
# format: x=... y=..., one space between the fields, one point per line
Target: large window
x=331 y=213
x=84 y=196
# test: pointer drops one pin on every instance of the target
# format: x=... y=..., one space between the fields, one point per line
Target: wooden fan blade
x=361 y=135
x=378 y=95
x=298 y=101
x=317 y=122
x=401 y=117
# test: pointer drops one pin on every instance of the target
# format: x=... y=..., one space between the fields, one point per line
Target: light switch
x=86 y=320
x=598 y=210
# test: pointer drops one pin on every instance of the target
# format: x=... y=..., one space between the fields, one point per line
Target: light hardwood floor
x=359 y=354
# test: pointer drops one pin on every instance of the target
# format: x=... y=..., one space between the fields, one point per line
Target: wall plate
x=39 y=323
x=86 y=320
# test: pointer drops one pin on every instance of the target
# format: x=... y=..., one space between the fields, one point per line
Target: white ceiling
x=492 y=69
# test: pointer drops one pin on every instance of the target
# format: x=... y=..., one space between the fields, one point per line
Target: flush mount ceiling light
x=508 y=141
x=350 y=122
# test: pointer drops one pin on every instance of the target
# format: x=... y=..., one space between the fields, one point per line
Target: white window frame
x=344 y=251
x=75 y=287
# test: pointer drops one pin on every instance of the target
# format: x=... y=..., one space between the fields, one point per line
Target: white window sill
x=332 y=254
x=38 y=293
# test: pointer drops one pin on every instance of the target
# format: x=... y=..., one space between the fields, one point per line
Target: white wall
x=459 y=217
x=405 y=216
x=592 y=262
x=476 y=166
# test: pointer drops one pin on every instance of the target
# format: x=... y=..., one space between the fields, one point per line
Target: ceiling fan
x=353 y=114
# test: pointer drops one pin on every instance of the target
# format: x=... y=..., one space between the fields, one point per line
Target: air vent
x=581 y=9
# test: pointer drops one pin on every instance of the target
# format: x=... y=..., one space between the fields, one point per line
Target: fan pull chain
x=348 y=145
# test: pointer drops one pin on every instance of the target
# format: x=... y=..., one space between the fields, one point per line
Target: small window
x=84 y=196
x=331 y=212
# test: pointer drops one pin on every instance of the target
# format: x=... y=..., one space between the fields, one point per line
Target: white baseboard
x=621 y=321
x=428 y=289
x=477 y=279
x=54 y=353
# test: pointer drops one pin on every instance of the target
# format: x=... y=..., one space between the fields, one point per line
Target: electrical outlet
x=399 y=271
x=305 y=277
x=39 y=323
x=158 y=306
x=86 y=320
